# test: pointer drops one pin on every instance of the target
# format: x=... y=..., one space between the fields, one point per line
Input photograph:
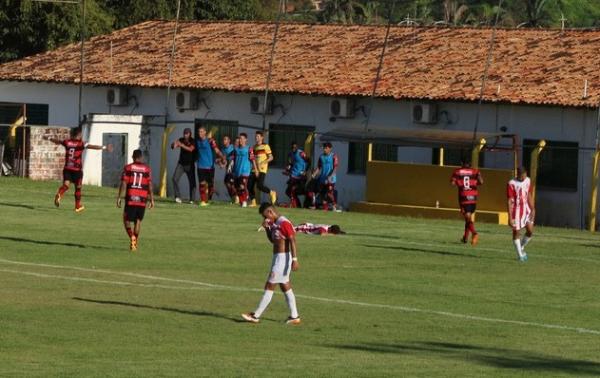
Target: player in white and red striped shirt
x=521 y=210
x=318 y=229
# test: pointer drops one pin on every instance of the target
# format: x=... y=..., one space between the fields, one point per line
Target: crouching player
x=136 y=181
x=466 y=179
x=280 y=232
x=521 y=211
x=319 y=229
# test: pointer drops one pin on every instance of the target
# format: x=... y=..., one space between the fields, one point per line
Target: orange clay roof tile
x=531 y=66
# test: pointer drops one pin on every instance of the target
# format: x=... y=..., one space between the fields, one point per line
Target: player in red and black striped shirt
x=73 y=170
x=136 y=182
x=466 y=179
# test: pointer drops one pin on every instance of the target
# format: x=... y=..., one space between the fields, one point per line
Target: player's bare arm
x=479 y=178
x=531 y=203
x=108 y=147
x=151 y=194
x=255 y=166
x=509 y=206
x=269 y=158
x=189 y=148
x=294 y=252
x=120 y=194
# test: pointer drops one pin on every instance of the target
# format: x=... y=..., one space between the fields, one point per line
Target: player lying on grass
x=521 y=211
x=136 y=182
x=280 y=232
x=466 y=179
x=319 y=229
x=73 y=170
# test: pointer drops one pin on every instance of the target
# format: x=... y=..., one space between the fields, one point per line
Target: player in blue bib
x=206 y=148
x=241 y=164
x=326 y=176
x=296 y=169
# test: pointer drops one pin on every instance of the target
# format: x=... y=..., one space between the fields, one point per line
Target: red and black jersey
x=466 y=179
x=74 y=154
x=138 y=177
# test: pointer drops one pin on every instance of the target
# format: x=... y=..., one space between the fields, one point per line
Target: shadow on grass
x=20 y=206
x=494 y=357
x=161 y=308
x=421 y=250
x=46 y=242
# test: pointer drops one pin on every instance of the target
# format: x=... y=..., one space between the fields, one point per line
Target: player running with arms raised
x=136 y=182
x=466 y=179
x=521 y=211
x=73 y=170
x=280 y=232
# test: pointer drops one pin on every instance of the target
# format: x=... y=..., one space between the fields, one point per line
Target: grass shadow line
x=421 y=250
x=47 y=242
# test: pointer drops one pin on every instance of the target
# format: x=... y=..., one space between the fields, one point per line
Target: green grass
x=116 y=317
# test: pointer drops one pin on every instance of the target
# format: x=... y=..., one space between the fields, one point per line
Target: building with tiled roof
x=542 y=84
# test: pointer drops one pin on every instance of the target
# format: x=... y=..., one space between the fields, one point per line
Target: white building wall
x=530 y=122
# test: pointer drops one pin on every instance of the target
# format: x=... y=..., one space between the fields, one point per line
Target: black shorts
x=73 y=176
x=468 y=208
x=206 y=175
x=134 y=213
x=229 y=179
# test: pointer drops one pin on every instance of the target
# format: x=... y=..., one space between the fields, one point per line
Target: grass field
x=394 y=297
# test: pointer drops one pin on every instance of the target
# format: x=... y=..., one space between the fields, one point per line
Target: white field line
x=208 y=286
x=118 y=283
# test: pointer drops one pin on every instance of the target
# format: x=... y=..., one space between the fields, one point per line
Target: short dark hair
x=521 y=170
x=327 y=145
x=75 y=131
x=293 y=143
x=335 y=229
x=260 y=133
x=244 y=135
x=137 y=154
x=264 y=206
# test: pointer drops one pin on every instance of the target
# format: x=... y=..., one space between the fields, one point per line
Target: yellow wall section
x=423 y=185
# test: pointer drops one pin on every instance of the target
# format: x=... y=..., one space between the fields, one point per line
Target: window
x=282 y=136
x=558 y=164
x=358 y=155
x=454 y=156
x=220 y=129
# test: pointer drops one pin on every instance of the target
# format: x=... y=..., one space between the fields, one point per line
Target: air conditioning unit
x=424 y=113
x=341 y=108
x=116 y=96
x=256 y=104
x=186 y=100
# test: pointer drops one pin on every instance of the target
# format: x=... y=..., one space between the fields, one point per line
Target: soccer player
x=521 y=211
x=319 y=229
x=326 y=176
x=296 y=170
x=280 y=232
x=227 y=151
x=263 y=156
x=241 y=164
x=73 y=169
x=136 y=182
x=466 y=179
x=185 y=164
x=207 y=148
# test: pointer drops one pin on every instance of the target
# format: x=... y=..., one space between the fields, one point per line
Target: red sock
x=467 y=229
x=203 y=193
x=325 y=206
x=129 y=231
x=63 y=189
x=472 y=228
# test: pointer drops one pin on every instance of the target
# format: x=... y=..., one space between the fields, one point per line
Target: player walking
x=521 y=211
x=241 y=164
x=466 y=179
x=263 y=156
x=206 y=147
x=73 y=169
x=227 y=151
x=296 y=169
x=280 y=232
x=326 y=176
x=136 y=182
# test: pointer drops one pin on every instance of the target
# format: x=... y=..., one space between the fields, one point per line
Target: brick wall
x=46 y=159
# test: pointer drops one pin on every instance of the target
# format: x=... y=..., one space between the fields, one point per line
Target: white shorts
x=281 y=267
x=522 y=222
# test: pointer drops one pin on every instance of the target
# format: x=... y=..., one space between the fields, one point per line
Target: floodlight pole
x=81 y=60
x=593 y=210
x=270 y=70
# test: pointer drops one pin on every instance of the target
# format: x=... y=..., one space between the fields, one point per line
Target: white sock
x=525 y=241
x=517 y=244
x=290 y=298
x=264 y=302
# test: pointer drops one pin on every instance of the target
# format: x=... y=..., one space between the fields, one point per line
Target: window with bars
x=281 y=138
x=358 y=155
x=37 y=114
x=220 y=128
x=558 y=165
